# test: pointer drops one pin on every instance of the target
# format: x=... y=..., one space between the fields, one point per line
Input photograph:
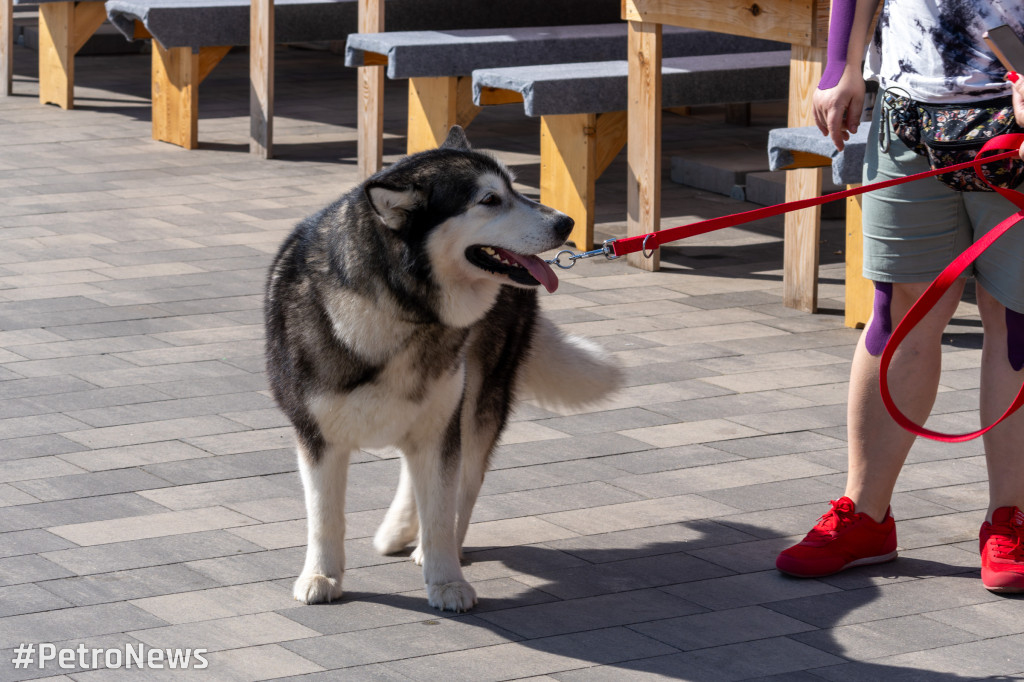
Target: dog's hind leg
x=401 y=523
x=324 y=478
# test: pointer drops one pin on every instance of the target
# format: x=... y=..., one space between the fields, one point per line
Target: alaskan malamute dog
x=405 y=314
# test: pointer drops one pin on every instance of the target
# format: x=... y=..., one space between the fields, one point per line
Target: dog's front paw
x=417 y=555
x=457 y=596
x=316 y=589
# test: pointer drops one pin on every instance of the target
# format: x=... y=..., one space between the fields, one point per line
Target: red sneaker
x=1002 y=551
x=842 y=538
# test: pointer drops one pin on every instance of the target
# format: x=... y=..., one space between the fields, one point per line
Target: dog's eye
x=491 y=200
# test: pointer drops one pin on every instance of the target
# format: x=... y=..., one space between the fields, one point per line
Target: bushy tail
x=567 y=371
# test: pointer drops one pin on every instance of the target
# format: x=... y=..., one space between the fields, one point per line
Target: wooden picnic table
x=801 y=23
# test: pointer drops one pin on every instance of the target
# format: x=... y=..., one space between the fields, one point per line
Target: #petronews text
x=132 y=656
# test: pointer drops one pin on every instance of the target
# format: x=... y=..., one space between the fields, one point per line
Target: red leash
x=649 y=242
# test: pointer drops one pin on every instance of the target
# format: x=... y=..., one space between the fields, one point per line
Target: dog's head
x=457 y=208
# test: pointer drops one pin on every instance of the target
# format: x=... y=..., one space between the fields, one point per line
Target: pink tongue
x=540 y=270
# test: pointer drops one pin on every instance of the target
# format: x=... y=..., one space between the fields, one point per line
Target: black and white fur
x=405 y=314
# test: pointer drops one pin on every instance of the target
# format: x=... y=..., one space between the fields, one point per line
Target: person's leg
x=999 y=385
x=878 y=445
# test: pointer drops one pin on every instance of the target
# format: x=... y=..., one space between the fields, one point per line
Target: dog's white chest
x=389 y=409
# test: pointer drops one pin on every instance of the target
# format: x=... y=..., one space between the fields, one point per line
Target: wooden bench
x=190 y=37
x=64 y=27
x=582 y=110
x=806 y=147
x=438 y=65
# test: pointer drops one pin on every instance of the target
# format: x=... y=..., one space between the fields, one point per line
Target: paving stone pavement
x=148 y=492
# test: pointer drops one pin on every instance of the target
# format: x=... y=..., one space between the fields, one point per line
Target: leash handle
x=938 y=288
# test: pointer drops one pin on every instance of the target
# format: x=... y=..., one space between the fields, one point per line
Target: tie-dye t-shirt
x=933 y=49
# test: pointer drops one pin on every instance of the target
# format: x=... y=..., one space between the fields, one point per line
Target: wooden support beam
x=803 y=227
x=489 y=96
x=56 y=54
x=64 y=27
x=435 y=105
x=176 y=75
x=88 y=17
x=465 y=109
x=370 y=117
x=860 y=292
x=432 y=111
x=807 y=160
x=643 y=192
x=803 y=22
x=261 y=78
x=568 y=153
x=6 y=47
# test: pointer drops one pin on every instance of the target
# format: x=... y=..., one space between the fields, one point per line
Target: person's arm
x=840 y=95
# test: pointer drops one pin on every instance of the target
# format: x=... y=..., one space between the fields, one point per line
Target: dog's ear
x=393 y=204
x=456 y=139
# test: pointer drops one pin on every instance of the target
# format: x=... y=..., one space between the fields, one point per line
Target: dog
x=406 y=314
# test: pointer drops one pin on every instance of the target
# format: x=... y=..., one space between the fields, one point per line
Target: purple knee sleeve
x=1015 y=338
x=839 y=29
x=880 y=329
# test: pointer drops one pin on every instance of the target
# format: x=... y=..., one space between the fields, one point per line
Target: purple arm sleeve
x=839 y=28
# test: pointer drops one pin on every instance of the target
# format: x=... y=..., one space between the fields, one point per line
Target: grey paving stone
x=431 y=636
x=885 y=638
x=90 y=484
x=27 y=598
x=30 y=542
x=46 y=514
x=124 y=585
x=527 y=660
x=120 y=556
x=82 y=621
x=225 y=467
x=593 y=613
x=721 y=627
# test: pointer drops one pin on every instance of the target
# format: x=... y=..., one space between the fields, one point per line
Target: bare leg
x=878 y=445
x=999 y=386
x=324 y=485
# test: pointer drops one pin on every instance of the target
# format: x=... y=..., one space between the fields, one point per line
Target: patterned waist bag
x=949 y=134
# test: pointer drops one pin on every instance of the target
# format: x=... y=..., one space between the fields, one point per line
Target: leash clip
x=606 y=250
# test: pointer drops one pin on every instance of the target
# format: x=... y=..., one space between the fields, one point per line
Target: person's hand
x=837 y=110
x=1018 y=101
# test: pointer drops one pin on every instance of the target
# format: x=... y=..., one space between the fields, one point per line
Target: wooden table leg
x=802 y=228
x=261 y=78
x=860 y=293
x=644 y=137
x=568 y=150
x=6 y=47
x=64 y=27
x=370 y=118
x=176 y=75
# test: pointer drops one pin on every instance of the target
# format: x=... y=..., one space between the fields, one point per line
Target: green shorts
x=914 y=230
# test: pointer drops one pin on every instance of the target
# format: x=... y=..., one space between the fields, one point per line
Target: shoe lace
x=1007 y=542
x=831 y=522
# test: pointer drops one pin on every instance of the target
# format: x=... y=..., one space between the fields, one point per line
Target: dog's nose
x=563 y=226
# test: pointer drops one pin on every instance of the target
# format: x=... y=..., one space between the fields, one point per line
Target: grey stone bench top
x=431 y=54
x=40 y=2
x=847 y=165
x=201 y=23
x=595 y=87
